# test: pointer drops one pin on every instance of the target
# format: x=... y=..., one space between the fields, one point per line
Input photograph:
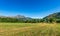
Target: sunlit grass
x=29 y=29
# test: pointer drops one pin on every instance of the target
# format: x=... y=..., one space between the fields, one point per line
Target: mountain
x=19 y=17
x=54 y=15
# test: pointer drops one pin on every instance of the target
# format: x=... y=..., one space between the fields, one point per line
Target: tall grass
x=29 y=29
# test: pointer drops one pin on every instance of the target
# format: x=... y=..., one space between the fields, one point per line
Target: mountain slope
x=54 y=15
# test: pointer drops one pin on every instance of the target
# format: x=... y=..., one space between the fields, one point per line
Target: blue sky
x=29 y=8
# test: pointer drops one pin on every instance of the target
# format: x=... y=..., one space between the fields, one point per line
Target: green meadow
x=29 y=29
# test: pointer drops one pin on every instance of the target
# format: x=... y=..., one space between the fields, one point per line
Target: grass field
x=29 y=29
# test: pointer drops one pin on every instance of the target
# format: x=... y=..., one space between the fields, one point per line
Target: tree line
x=14 y=20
